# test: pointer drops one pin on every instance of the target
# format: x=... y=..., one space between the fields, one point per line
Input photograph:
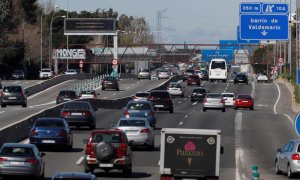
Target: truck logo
x=170 y=139
x=211 y=141
x=189 y=151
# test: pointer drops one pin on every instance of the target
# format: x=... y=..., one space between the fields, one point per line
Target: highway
x=248 y=137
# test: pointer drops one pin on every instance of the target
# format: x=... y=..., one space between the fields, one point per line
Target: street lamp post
x=41 y=41
x=50 y=39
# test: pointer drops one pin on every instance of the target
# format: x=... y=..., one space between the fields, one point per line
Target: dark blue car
x=50 y=131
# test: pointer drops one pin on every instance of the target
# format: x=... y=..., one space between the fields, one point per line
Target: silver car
x=21 y=160
x=144 y=74
x=138 y=131
x=287 y=158
x=214 y=101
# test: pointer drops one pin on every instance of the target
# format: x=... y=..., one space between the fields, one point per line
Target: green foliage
x=292 y=81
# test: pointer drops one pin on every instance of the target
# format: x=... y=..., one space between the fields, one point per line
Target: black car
x=0 y=84
x=240 y=78
x=66 y=95
x=187 y=73
x=110 y=82
x=18 y=74
x=79 y=113
x=13 y=95
x=162 y=100
x=198 y=94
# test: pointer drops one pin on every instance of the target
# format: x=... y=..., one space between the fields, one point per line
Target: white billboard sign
x=69 y=54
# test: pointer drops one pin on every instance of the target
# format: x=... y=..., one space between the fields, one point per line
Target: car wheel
x=235 y=108
x=105 y=151
x=92 y=127
x=151 y=146
x=87 y=168
x=223 y=110
x=204 y=109
x=289 y=172
x=3 y=105
x=117 y=89
x=103 y=89
x=24 y=105
x=127 y=171
x=277 y=170
x=251 y=108
x=182 y=95
x=192 y=100
x=171 y=110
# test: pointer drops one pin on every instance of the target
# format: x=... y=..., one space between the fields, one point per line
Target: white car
x=46 y=73
x=71 y=71
x=176 y=89
x=163 y=74
x=229 y=98
x=262 y=78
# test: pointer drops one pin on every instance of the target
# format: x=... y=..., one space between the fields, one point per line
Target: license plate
x=67 y=99
x=199 y=94
x=48 y=141
x=193 y=83
x=16 y=163
x=76 y=114
x=244 y=101
x=159 y=105
x=240 y=80
x=130 y=131
x=109 y=82
x=12 y=97
x=106 y=165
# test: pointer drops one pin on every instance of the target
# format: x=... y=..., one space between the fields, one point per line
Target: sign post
x=297 y=124
x=264 y=21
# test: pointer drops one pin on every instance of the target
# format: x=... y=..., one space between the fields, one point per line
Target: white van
x=218 y=70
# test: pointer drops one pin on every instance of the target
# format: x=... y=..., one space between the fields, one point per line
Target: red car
x=193 y=80
x=243 y=101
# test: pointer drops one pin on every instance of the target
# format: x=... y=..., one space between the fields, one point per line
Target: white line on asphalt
x=181 y=123
x=114 y=94
x=105 y=98
x=17 y=109
x=253 y=90
x=16 y=82
x=186 y=116
x=2 y=112
x=239 y=152
x=53 y=102
x=47 y=89
x=179 y=102
x=279 y=94
x=194 y=103
x=263 y=105
x=185 y=99
x=25 y=141
x=79 y=160
x=127 y=87
x=291 y=120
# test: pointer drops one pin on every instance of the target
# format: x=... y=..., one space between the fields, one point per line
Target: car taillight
x=151 y=113
x=89 y=150
x=126 y=113
x=238 y=100
x=295 y=157
x=65 y=114
x=205 y=100
x=87 y=113
x=151 y=98
x=58 y=97
x=222 y=101
x=34 y=132
x=1 y=94
x=145 y=131
x=21 y=94
x=134 y=98
x=62 y=133
x=122 y=150
x=32 y=161
x=3 y=159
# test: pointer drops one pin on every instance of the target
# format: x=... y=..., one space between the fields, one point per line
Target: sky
x=182 y=21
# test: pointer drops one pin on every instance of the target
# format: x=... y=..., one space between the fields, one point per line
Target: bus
x=218 y=70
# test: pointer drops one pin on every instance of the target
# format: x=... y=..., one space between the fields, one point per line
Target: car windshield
x=17 y=72
x=49 y=123
x=228 y=95
x=244 y=97
x=214 y=96
x=106 y=137
x=16 y=151
x=12 y=89
x=142 y=94
x=144 y=70
x=77 y=105
x=46 y=70
x=67 y=93
x=160 y=94
x=199 y=91
x=71 y=178
x=110 y=78
x=175 y=85
x=138 y=106
x=139 y=123
x=88 y=92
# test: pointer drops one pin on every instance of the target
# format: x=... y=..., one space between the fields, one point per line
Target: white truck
x=190 y=153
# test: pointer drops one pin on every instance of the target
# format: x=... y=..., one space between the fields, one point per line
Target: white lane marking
x=186 y=116
x=48 y=89
x=25 y=141
x=277 y=100
x=181 y=123
x=179 y=102
x=2 y=112
x=105 y=98
x=114 y=94
x=290 y=119
x=127 y=87
x=239 y=152
x=53 y=102
x=194 y=103
x=79 y=160
x=253 y=90
x=262 y=105
x=17 y=108
x=16 y=82
x=185 y=99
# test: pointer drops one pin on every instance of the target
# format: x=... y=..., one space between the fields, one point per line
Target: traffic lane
x=284 y=102
x=24 y=83
x=262 y=134
x=265 y=97
x=128 y=87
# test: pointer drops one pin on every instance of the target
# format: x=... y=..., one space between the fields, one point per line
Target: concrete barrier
x=20 y=130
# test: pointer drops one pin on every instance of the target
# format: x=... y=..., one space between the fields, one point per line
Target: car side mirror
x=113 y=126
x=279 y=150
x=42 y=154
x=222 y=150
x=85 y=141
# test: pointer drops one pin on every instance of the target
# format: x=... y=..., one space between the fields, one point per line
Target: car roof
x=136 y=101
x=50 y=118
x=18 y=145
x=227 y=93
x=132 y=118
x=73 y=174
